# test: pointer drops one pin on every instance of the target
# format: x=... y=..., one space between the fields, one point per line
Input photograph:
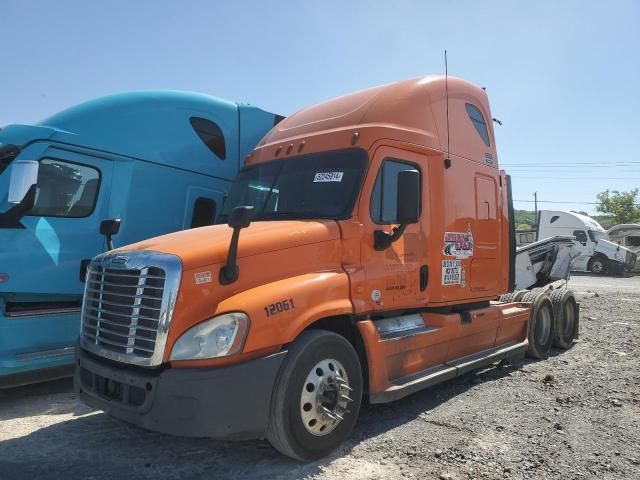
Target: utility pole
x=535 y=204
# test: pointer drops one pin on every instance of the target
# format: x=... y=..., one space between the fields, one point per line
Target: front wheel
x=598 y=266
x=317 y=396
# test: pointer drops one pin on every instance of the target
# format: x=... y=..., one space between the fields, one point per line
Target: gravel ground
x=573 y=416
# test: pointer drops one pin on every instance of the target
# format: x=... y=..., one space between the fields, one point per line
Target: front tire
x=317 y=396
x=598 y=266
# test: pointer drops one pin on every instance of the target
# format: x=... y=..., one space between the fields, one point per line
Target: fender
x=309 y=297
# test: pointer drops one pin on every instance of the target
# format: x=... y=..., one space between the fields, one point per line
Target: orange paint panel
x=513 y=324
x=310 y=275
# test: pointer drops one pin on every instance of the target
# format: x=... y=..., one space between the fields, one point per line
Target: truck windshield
x=318 y=185
x=595 y=236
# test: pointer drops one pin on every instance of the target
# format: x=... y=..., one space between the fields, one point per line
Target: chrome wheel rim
x=325 y=397
x=543 y=326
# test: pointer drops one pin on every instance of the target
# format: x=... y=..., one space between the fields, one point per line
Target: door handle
x=424 y=277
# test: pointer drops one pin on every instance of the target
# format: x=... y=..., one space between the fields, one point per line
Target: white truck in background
x=597 y=254
x=627 y=235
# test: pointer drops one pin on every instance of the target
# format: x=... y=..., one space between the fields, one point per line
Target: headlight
x=217 y=337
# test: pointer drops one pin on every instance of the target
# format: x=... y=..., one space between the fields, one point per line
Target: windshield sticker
x=458 y=244
x=451 y=272
x=328 y=177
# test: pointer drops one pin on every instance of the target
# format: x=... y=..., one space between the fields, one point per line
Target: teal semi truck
x=114 y=170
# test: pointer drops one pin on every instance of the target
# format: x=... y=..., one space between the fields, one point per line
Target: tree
x=525 y=219
x=621 y=207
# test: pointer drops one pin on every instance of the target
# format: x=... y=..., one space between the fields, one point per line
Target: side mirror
x=407 y=208
x=239 y=218
x=109 y=228
x=24 y=175
x=408 y=197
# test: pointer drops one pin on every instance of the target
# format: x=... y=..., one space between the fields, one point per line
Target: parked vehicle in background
x=113 y=170
x=362 y=260
x=627 y=235
x=597 y=254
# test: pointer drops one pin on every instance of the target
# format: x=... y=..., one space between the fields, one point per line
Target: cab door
x=62 y=229
x=396 y=277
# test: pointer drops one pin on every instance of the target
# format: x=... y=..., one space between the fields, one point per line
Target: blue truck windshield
x=318 y=185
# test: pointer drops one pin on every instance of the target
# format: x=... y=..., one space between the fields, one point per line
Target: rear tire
x=310 y=376
x=565 y=309
x=541 y=326
x=513 y=296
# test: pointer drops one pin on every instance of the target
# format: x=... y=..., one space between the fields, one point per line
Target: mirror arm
x=383 y=240
x=229 y=272
x=11 y=218
x=109 y=242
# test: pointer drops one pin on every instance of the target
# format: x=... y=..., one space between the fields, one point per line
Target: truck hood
x=614 y=251
x=209 y=245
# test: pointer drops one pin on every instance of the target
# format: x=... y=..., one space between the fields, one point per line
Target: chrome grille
x=128 y=304
x=122 y=309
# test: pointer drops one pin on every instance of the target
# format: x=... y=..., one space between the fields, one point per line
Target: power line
x=551 y=201
x=563 y=201
x=575 y=178
x=618 y=162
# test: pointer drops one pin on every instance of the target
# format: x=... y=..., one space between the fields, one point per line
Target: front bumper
x=230 y=402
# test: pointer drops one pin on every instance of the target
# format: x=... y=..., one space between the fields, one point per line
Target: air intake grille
x=122 y=309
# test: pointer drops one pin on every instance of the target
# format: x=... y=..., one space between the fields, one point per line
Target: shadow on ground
x=96 y=446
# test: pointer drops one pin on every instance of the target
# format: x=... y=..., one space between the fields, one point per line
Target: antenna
x=447 y=161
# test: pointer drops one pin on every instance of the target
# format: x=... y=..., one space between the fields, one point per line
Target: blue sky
x=563 y=77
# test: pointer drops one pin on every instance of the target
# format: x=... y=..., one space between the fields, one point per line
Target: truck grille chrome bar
x=128 y=304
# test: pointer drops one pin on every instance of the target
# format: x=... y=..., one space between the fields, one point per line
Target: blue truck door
x=41 y=263
x=64 y=226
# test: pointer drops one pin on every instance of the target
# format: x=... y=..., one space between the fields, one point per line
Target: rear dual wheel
x=541 y=328
x=317 y=396
x=567 y=319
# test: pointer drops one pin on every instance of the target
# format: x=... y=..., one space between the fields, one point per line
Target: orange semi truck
x=368 y=242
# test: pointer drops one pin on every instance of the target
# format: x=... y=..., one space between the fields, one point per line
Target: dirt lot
x=573 y=416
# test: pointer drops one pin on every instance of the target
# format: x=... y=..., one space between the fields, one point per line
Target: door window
x=384 y=198
x=65 y=189
x=477 y=119
x=580 y=236
x=211 y=134
x=204 y=212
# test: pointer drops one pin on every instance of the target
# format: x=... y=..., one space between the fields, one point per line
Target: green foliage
x=606 y=222
x=525 y=220
x=619 y=207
